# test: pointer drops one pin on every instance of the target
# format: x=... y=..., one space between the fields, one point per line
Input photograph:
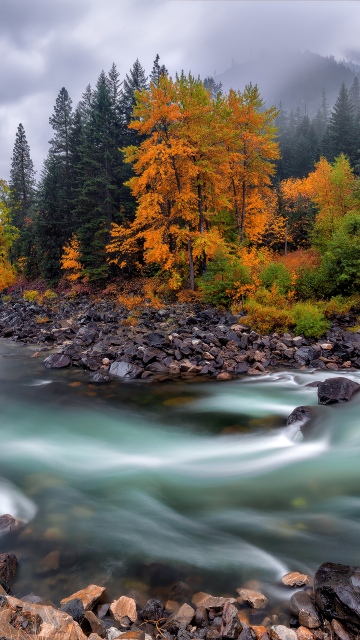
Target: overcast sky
x=48 y=44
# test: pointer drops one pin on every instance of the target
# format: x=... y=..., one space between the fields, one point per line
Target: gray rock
x=336 y=390
x=230 y=623
x=8 y=566
x=122 y=369
x=302 y=606
x=337 y=593
x=280 y=632
x=57 y=361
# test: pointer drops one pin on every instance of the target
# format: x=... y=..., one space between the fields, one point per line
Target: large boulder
x=57 y=361
x=334 y=390
x=337 y=593
x=122 y=369
x=8 y=566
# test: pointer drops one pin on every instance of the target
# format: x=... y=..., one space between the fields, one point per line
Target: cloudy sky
x=48 y=44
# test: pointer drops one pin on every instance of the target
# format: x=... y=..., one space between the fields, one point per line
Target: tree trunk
x=243 y=210
x=191 y=266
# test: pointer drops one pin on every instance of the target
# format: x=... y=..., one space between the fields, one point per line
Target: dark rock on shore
x=8 y=566
x=337 y=593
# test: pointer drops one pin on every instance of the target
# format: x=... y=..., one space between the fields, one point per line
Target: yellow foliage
x=70 y=260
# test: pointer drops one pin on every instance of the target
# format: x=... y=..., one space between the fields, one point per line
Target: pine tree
x=136 y=80
x=341 y=125
x=355 y=101
x=215 y=88
x=22 y=180
x=158 y=71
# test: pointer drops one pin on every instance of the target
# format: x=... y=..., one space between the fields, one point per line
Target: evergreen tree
x=22 y=180
x=355 y=101
x=341 y=125
x=136 y=80
x=100 y=178
x=215 y=88
x=158 y=71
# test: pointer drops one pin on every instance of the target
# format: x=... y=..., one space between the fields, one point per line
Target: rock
x=75 y=609
x=337 y=593
x=122 y=369
x=201 y=617
x=94 y=636
x=51 y=562
x=304 y=634
x=137 y=634
x=230 y=623
x=255 y=599
x=8 y=566
x=202 y=599
x=157 y=339
x=88 y=596
x=56 y=625
x=153 y=610
x=302 y=606
x=99 y=377
x=294 y=578
x=334 y=390
x=340 y=631
x=224 y=375
x=304 y=355
x=93 y=622
x=300 y=414
x=124 y=607
x=8 y=523
x=280 y=632
x=181 y=618
x=57 y=361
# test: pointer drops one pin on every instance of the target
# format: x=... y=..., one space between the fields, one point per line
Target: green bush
x=276 y=273
x=309 y=320
x=223 y=279
x=31 y=295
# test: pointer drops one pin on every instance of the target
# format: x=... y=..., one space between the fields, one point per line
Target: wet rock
x=294 y=578
x=337 y=593
x=75 y=609
x=9 y=523
x=93 y=623
x=340 y=631
x=302 y=606
x=202 y=599
x=224 y=375
x=304 y=355
x=56 y=625
x=124 y=607
x=51 y=562
x=123 y=369
x=99 y=377
x=255 y=599
x=153 y=610
x=88 y=596
x=8 y=566
x=57 y=361
x=280 y=632
x=230 y=623
x=181 y=618
x=334 y=390
x=304 y=634
x=201 y=617
x=300 y=414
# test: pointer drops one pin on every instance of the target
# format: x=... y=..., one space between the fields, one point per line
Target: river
x=140 y=485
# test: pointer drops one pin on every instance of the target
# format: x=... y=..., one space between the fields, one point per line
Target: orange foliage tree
x=8 y=233
x=70 y=260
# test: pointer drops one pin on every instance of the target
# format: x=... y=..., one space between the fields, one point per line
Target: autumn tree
x=252 y=150
x=8 y=235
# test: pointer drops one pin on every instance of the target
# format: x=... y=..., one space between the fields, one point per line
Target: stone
x=51 y=562
x=57 y=361
x=180 y=618
x=340 y=631
x=224 y=375
x=88 y=596
x=157 y=339
x=294 y=578
x=201 y=599
x=122 y=369
x=280 y=632
x=302 y=606
x=304 y=634
x=337 y=593
x=201 y=617
x=230 y=623
x=153 y=610
x=300 y=414
x=94 y=636
x=137 y=634
x=334 y=390
x=56 y=625
x=8 y=566
x=124 y=607
x=255 y=599
x=75 y=609
x=9 y=523
x=304 y=355
x=92 y=621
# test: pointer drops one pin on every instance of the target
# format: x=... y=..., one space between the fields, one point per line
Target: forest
x=166 y=189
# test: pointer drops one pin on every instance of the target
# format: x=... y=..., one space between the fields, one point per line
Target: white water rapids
x=202 y=479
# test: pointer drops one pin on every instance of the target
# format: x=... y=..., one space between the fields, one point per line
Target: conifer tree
x=136 y=80
x=22 y=180
x=341 y=125
x=158 y=71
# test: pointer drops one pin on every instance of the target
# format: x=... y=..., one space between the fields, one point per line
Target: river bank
x=318 y=607
x=176 y=341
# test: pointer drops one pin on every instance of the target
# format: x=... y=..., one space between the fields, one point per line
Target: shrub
x=309 y=320
x=268 y=311
x=276 y=273
x=224 y=280
x=49 y=295
x=31 y=295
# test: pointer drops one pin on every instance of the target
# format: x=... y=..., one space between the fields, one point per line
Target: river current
x=141 y=485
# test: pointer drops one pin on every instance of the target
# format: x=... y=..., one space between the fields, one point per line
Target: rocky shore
x=173 y=342
x=320 y=607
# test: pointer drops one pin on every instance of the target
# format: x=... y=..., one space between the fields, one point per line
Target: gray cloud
x=45 y=45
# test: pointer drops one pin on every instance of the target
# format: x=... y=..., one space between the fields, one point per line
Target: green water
x=141 y=485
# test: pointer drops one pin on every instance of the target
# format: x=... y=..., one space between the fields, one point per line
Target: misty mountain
x=293 y=78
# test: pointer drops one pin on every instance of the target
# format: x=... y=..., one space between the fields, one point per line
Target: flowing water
x=141 y=485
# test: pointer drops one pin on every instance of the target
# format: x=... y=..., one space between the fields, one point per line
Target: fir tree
x=341 y=125
x=136 y=80
x=158 y=71
x=22 y=180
